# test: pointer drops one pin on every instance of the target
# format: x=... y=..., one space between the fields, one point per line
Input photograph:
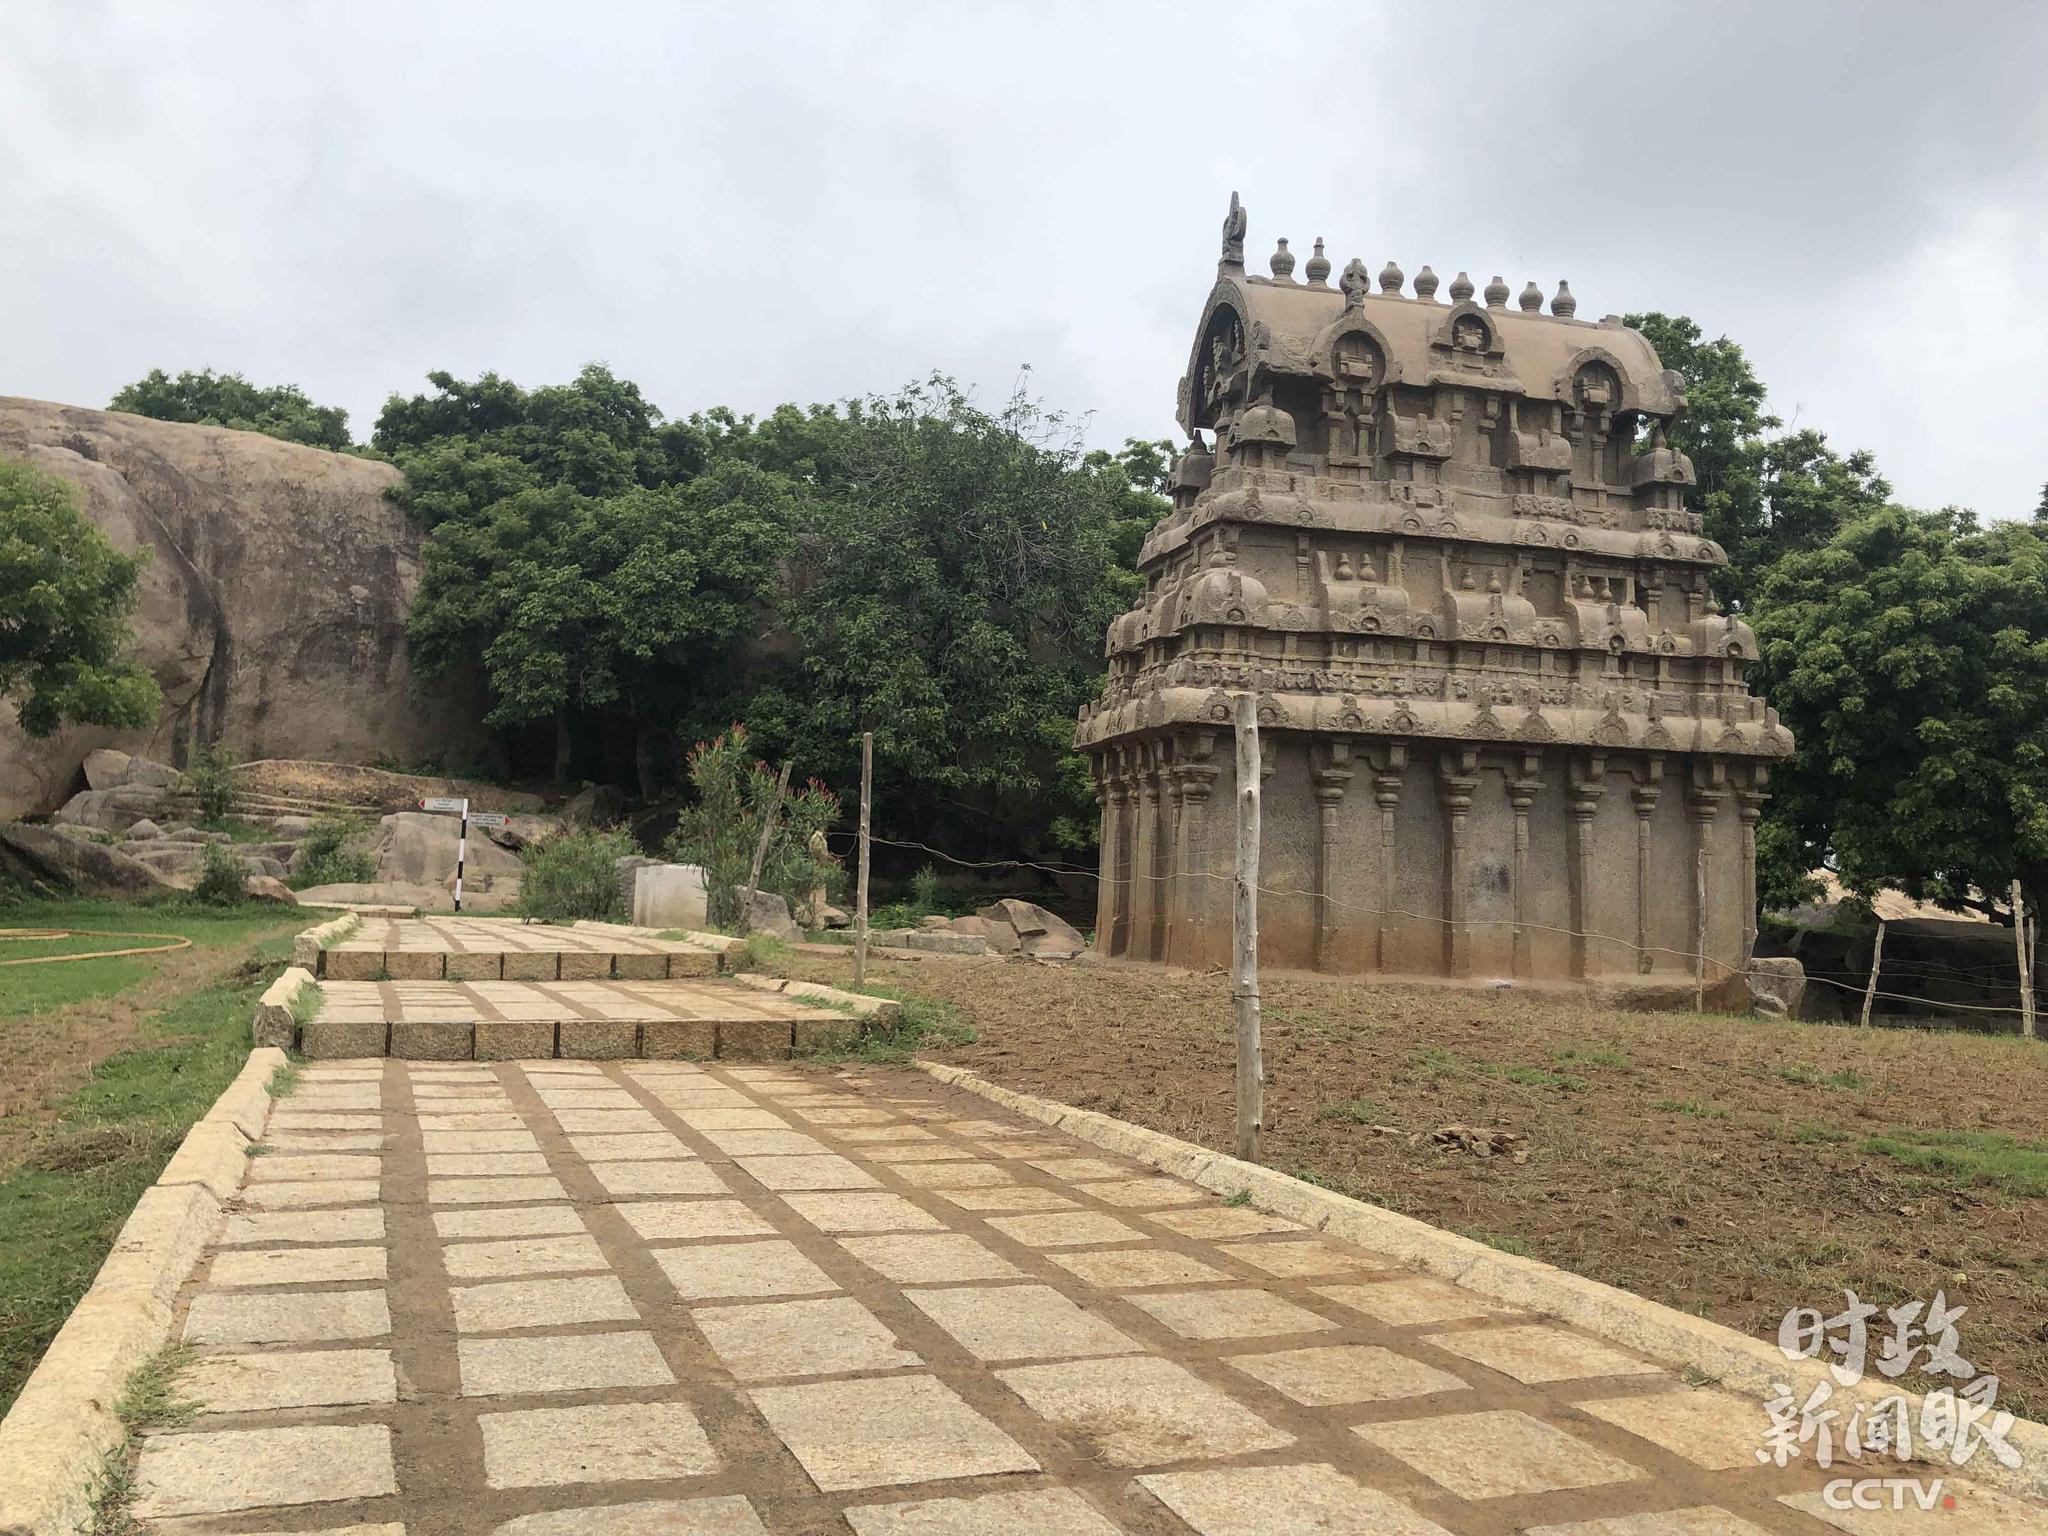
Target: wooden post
x=1699 y=932
x=1244 y=968
x=860 y=890
x=2023 y=940
x=1876 y=961
x=761 y=849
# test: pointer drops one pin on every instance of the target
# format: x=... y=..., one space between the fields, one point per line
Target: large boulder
x=42 y=858
x=1041 y=934
x=272 y=613
x=770 y=915
x=1777 y=985
x=268 y=888
x=418 y=848
x=116 y=809
x=595 y=805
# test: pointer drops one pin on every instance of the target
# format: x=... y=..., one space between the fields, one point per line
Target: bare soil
x=1717 y=1164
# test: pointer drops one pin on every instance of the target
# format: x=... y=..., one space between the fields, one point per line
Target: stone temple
x=1443 y=539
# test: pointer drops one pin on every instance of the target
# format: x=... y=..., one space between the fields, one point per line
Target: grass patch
x=1848 y=1077
x=1501 y=1241
x=1964 y=1158
x=1439 y=1063
x=1543 y=1077
x=1353 y=1112
x=1240 y=1200
x=1580 y=1056
x=306 y=1002
x=1813 y=1134
x=1798 y=1074
x=1699 y=1109
x=29 y=990
x=150 y=1400
x=284 y=1082
x=760 y=951
x=59 y=1213
x=924 y=1023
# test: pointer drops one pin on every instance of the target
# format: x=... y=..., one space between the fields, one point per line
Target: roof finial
x=1532 y=299
x=1233 y=236
x=1564 y=306
x=1282 y=262
x=1425 y=285
x=1391 y=278
x=1497 y=293
x=1318 y=267
x=1461 y=288
x=1356 y=283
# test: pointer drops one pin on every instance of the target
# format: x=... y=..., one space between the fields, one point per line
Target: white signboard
x=487 y=818
x=443 y=805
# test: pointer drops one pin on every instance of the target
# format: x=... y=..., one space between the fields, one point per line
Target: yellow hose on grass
x=171 y=941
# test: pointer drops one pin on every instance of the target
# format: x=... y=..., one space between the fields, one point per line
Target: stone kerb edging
x=724 y=946
x=881 y=1010
x=56 y=1439
x=307 y=946
x=275 y=1024
x=1739 y=1362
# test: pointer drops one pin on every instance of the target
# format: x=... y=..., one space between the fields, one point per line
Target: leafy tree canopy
x=1762 y=491
x=65 y=599
x=1910 y=655
x=214 y=399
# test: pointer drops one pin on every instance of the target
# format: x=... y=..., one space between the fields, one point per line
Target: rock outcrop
x=52 y=863
x=272 y=613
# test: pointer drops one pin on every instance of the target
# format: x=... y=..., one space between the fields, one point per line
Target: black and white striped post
x=461 y=809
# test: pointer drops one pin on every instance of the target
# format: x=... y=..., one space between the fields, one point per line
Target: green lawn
x=60 y=1212
x=26 y=990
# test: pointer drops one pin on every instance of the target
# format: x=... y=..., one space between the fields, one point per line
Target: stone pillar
x=1702 y=803
x=1170 y=916
x=1386 y=793
x=1750 y=805
x=1457 y=779
x=1585 y=789
x=1645 y=795
x=1199 y=893
x=1522 y=791
x=1330 y=782
x=1146 y=894
x=1113 y=909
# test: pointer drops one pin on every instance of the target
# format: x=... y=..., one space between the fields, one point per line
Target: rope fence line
x=173 y=941
x=1689 y=957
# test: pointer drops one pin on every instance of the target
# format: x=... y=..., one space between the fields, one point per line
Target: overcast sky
x=791 y=201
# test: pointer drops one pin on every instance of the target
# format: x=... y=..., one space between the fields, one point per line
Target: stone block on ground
x=1778 y=979
x=542 y=966
x=485 y=966
x=432 y=1040
x=598 y=1039
x=513 y=1040
x=678 y=1039
x=415 y=964
x=754 y=1039
x=335 y=1040
x=770 y=915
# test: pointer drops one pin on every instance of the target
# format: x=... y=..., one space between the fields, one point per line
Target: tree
x=1762 y=493
x=1909 y=655
x=66 y=595
x=229 y=400
x=950 y=591
x=721 y=830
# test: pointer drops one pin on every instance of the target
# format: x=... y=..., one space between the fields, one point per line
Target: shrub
x=222 y=877
x=575 y=875
x=211 y=781
x=719 y=832
x=924 y=890
x=336 y=853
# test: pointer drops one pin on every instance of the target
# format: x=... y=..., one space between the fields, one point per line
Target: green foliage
x=1909 y=655
x=721 y=829
x=951 y=593
x=924 y=1023
x=66 y=596
x=210 y=779
x=575 y=875
x=1353 y=1112
x=1961 y=1159
x=1763 y=493
x=229 y=400
x=222 y=876
x=924 y=889
x=337 y=852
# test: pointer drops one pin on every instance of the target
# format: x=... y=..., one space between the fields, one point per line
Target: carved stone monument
x=1505 y=727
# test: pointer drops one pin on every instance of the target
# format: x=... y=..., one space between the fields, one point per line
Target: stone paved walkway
x=502 y=949
x=557 y=1297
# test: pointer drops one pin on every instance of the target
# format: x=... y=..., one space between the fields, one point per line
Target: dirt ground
x=1721 y=1165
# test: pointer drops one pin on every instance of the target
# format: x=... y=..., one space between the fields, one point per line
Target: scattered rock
x=1041 y=934
x=291 y=826
x=418 y=848
x=144 y=830
x=40 y=857
x=770 y=915
x=1483 y=1142
x=937 y=941
x=595 y=805
x=1779 y=980
x=116 y=809
x=832 y=917
x=269 y=888
x=105 y=768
